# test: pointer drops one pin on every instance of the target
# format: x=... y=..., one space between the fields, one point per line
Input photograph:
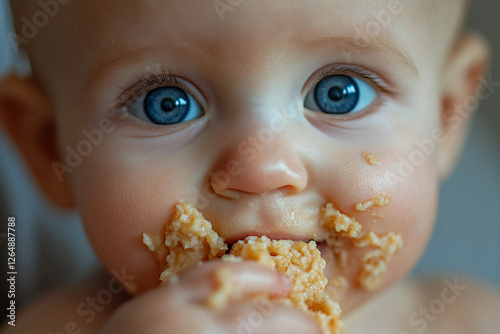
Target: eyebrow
x=116 y=58
x=382 y=43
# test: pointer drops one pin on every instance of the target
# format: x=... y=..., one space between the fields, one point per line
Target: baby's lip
x=272 y=236
x=272 y=215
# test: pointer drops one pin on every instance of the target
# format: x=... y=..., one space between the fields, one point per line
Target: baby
x=259 y=113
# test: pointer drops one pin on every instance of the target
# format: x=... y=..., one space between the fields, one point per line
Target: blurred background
x=466 y=239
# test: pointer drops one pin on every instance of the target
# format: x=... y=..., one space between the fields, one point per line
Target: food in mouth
x=189 y=239
x=303 y=264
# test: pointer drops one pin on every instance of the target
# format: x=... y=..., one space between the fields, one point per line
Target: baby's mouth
x=191 y=235
x=229 y=248
x=322 y=247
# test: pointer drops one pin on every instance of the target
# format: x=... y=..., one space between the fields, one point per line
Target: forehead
x=247 y=31
x=256 y=21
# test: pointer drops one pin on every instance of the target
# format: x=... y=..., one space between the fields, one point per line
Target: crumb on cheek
x=377 y=202
x=371 y=158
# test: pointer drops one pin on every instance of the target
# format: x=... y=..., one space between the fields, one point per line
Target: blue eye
x=166 y=105
x=340 y=94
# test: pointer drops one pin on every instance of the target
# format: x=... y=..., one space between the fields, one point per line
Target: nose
x=259 y=162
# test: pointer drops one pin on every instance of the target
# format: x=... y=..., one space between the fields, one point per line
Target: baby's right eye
x=165 y=106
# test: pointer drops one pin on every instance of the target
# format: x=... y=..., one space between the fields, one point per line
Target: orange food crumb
x=371 y=158
x=334 y=220
x=380 y=200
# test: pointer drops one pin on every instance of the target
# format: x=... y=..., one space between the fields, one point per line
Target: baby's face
x=258 y=112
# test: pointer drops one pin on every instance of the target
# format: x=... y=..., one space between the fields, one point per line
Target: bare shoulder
x=459 y=305
x=81 y=308
x=437 y=305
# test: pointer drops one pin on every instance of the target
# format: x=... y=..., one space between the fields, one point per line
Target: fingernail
x=281 y=291
x=285 y=279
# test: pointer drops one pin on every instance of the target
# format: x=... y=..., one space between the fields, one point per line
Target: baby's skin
x=257 y=112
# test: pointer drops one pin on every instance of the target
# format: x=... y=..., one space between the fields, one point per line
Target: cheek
x=121 y=196
x=410 y=212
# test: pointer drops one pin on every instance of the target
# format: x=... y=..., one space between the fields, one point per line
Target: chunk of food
x=189 y=239
x=303 y=264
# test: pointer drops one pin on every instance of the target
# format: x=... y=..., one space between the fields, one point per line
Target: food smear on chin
x=375 y=262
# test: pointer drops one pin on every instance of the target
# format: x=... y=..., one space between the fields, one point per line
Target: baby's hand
x=182 y=307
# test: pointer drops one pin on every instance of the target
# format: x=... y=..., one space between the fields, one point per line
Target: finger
x=265 y=317
x=240 y=280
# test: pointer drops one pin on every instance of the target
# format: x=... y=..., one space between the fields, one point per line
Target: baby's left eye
x=340 y=94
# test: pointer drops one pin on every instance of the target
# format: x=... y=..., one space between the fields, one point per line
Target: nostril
x=230 y=193
x=290 y=189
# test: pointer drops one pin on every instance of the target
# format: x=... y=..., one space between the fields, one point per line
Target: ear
x=465 y=84
x=28 y=117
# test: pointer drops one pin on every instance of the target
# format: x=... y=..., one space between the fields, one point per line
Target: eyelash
x=153 y=80
x=354 y=70
x=148 y=82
